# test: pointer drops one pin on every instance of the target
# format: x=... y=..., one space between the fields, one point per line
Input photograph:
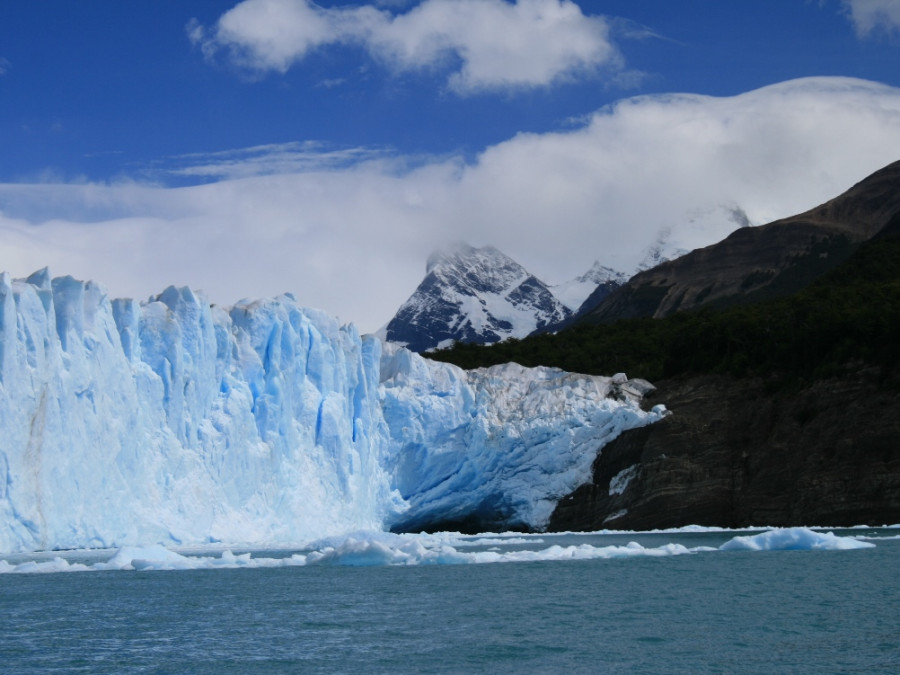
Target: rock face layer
x=733 y=455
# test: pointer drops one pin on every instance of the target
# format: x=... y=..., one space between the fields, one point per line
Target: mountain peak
x=458 y=253
x=574 y=293
x=448 y=255
x=601 y=274
x=473 y=295
x=475 y=270
x=661 y=250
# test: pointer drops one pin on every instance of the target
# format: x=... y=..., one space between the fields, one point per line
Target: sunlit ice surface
x=369 y=549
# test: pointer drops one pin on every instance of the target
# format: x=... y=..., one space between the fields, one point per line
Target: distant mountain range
x=481 y=295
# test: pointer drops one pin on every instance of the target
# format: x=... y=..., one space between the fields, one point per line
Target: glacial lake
x=669 y=602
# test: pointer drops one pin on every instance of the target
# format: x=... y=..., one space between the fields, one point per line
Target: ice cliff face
x=177 y=422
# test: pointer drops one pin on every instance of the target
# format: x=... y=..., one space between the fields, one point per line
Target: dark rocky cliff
x=733 y=454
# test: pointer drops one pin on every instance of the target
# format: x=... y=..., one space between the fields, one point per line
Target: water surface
x=712 y=611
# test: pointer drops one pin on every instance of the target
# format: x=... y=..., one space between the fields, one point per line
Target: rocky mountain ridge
x=754 y=263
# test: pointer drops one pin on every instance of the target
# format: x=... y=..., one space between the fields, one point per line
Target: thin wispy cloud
x=264 y=160
x=873 y=17
x=482 y=45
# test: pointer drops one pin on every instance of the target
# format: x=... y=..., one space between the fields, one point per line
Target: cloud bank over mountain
x=349 y=229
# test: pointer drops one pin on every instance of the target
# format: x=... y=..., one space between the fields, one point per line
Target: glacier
x=177 y=422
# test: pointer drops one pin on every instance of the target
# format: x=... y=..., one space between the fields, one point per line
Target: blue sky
x=275 y=145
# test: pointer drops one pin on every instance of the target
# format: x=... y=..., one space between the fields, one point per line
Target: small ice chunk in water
x=793 y=539
x=144 y=557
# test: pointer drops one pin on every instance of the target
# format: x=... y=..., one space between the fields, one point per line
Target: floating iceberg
x=793 y=539
x=175 y=422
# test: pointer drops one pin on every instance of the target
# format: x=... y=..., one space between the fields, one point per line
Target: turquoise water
x=710 y=611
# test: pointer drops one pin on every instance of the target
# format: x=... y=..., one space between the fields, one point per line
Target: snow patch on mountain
x=573 y=293
x=661 y=250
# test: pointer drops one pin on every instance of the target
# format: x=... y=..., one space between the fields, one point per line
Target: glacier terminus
x=178 y=422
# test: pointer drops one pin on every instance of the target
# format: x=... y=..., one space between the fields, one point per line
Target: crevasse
x=181 y=423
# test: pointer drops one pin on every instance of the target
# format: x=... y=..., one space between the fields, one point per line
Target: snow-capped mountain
x=474 y=295
x=181 y=423
x=661 y=250
x=483 y=296
x=573 y=293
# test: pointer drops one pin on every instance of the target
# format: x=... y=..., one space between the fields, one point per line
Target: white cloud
x=274 y=34
x=683 y=162
x=528 y=44
x=486 y=44
x=5 y=66
x=873 y=16
x=264 y=160
x=353 y=238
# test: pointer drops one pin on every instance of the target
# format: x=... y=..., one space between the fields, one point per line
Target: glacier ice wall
x=177 y=422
